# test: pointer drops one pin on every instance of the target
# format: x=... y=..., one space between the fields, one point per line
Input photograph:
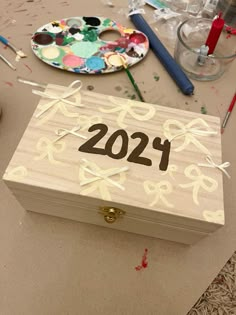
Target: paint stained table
x=56 y=266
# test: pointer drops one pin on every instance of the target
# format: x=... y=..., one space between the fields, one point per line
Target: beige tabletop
x=53 y=266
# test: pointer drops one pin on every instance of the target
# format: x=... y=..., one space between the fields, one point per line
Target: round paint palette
x=74 y=44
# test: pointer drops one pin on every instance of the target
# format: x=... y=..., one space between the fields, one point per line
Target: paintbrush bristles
x=21 y=54
x=17 y=51
x=124 y=64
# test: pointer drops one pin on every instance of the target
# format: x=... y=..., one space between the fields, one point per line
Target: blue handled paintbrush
x=10 y=45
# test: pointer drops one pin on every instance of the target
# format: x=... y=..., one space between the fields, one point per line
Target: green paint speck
x=203 y=110
x=131 y=96
x=156 y=77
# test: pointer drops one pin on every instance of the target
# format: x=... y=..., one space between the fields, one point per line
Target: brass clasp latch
x=111 y=213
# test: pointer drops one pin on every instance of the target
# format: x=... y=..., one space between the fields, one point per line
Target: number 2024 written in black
x=135 y=155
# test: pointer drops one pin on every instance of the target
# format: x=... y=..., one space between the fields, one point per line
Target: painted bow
x=159 y=190
x=222 y=167
x=101 y=178
x=198 y=127
x=59 y=99
x=48 y=148
x=214 y=216
x=64 y=132
x=17 y=173
x=129 y=107
x=199 y=180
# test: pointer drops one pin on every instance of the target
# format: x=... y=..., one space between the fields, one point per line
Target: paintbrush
x=229 y=111
x=10 y=45
x=132 y=79
x=7 y=62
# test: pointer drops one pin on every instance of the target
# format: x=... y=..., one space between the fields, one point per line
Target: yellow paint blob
x=128 y=30
x=50 y=52
x=115 y=60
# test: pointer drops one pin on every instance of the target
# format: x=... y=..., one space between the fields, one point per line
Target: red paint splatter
x=214 y=89
x=144 y=262
x=8 y=83
x=28 y=67
x=231 y=30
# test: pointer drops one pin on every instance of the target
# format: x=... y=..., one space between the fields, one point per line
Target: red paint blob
x=59 y=41
x=137 y=38
x=28 y=67
x=8 y=83
x=144 y=262
x=43 y=39
x=72 y=61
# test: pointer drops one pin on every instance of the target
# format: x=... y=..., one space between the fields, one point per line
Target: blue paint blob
x=95 y=63
x=77 y=70
x=57 y=64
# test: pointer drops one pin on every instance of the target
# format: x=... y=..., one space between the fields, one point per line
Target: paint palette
x=74 y=44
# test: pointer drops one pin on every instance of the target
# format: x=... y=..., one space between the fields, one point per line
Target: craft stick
x=7 y=62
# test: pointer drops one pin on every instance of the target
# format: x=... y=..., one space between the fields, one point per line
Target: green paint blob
x=107 y=22
x=90 y=36
x=203 y=110
x=68 y=40
x=85 y=49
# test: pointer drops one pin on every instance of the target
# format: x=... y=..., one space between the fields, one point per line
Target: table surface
x=55 y=266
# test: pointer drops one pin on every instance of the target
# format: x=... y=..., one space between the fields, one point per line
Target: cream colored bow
x=64 y=132
x=101 y=178
x=17 y=173
x=59 y=97
x=159 y=190
x=48 y=148
x=129 y=107
x=214 y=216
x=212 y=164
x=199 y=180
x=198 y=127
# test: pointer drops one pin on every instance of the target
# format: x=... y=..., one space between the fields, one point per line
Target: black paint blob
x=55 y=24
x=73 y=30
x=93 y=21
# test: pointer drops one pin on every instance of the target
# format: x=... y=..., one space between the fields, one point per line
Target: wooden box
x=120 y=164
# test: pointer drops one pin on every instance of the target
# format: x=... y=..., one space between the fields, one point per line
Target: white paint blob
x=50 y=52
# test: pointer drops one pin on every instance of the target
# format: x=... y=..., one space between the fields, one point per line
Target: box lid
x=149 y=157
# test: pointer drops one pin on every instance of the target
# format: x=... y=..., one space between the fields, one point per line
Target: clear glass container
x=191 y=55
